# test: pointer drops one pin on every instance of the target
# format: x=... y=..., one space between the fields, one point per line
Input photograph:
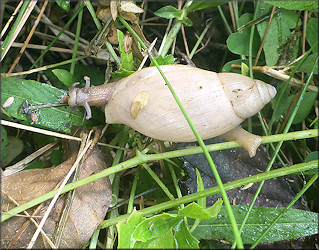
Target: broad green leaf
x=153 y=227
x=64 y=4
x=64 y=76
x=296 y=5
x=127 y=58
x=308 y=63
x=312 y=156
x=227 y=67
x=125 y=229
x=294 y=224
x=164 y=241
x=36 y=93
x=195 y=211
x=169 y=59
x=305 y=107
x=312 y=34
x=278 y=34
x=168 y=12
x=183 y=238
x=238 y=42
x=199 y=5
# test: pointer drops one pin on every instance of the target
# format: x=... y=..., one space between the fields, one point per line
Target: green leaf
x=238 y=42
x=312 y=34
x=168 y=12
x=278 y=34
x=183 y=238
x=56 y=157
x=164 y=241
x=200 y=187
x=303 y=111
x=64 y=4
x=121 y=74
x=64 y=76
x=308 y=63
x=296 y=5
x=199 y=5
x=195 y=211
x=312 y=156
x=169 y=59
x=187 y=21
x=36 y=93
x=244 y=69
x=127 y=58
x=125 y=229
x=294 y=224
x=305 y=107
x=153 y=227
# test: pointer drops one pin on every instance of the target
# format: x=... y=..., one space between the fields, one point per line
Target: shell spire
x=266 y=91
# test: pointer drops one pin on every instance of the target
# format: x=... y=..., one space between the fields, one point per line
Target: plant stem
x=153 y=157
x=215 y=190
x=77 y=36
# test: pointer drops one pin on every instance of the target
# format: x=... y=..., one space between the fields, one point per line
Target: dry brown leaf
x=113 y=7
x=129 y=6
x=129 y=16
x=112 y=35
x=88 y=208
x=104 y=14
x=127 y=43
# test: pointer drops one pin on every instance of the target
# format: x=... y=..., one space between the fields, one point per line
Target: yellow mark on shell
x=138 y=103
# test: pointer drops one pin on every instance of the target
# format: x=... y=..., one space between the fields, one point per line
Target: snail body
x=217 y=103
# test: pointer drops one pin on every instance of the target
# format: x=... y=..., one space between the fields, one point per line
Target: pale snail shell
x=216 y=102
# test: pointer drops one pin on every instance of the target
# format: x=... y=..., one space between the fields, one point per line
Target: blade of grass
x=77 y=36
x=58 y=35
x=27 y=40
x=200 y=39
x=302 y=191
x=24 y=13
x=4 y=29
x=141 y=158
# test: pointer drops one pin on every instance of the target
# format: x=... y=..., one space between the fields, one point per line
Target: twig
x=23 y=163
x=20 y=26
x=10 y=20
x=47 y=132
x=27 y=223
x=29 y=36
x=278 y=74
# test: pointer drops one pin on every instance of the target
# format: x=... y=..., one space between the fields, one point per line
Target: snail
x=217 y=103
